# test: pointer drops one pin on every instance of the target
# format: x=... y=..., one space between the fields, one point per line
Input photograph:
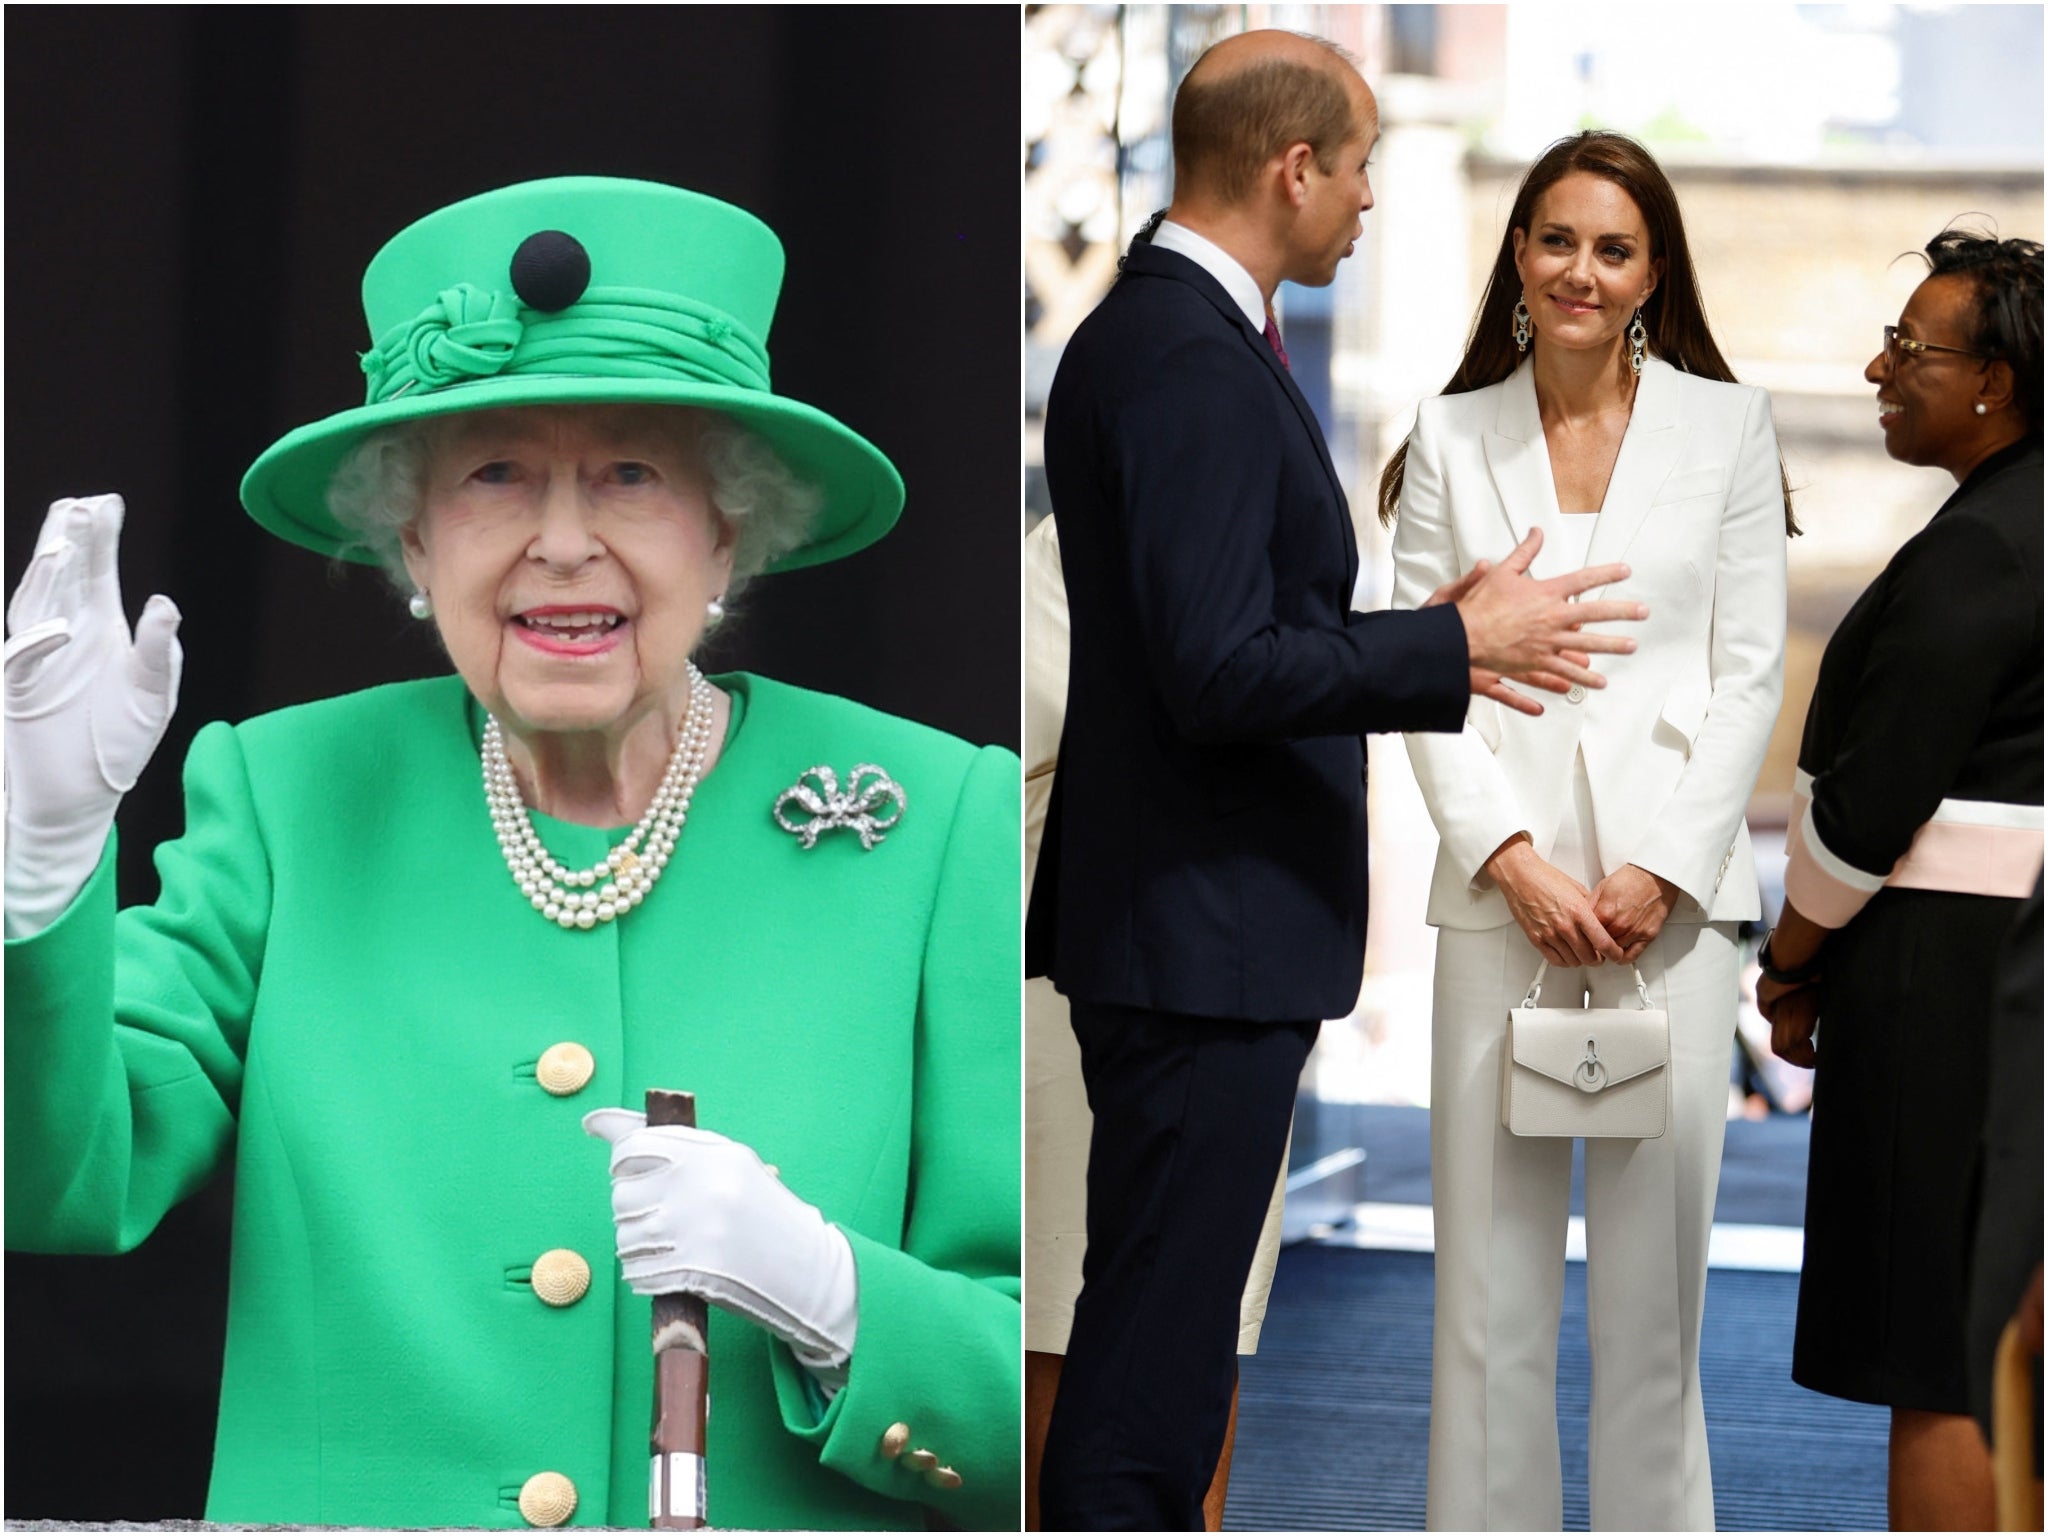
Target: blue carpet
x=1763 y=1162
x=1333 y=1416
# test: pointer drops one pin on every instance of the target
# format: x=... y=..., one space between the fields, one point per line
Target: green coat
x=341 y=987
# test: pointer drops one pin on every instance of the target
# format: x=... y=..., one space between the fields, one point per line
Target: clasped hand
x=1794 y=1013
x=1571 y=926
x=699 y=1212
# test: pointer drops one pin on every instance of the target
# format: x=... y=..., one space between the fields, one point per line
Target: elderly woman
x=1918 y=835
x=412 y=937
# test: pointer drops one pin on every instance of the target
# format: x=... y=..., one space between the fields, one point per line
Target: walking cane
x=675 y=1491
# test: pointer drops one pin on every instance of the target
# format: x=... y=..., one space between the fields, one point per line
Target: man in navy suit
x=1201 y=890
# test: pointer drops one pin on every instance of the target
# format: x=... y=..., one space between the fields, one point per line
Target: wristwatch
x=1799 y=978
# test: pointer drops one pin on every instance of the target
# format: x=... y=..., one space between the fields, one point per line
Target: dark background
x=191 y=198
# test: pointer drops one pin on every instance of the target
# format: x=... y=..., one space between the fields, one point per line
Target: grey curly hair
x=379 y=490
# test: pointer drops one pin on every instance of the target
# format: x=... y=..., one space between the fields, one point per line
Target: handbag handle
x=1529 y=997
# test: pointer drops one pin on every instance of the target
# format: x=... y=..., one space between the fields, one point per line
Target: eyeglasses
x=1894 y=344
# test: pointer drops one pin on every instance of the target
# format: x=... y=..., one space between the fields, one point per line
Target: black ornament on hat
x=550 y=270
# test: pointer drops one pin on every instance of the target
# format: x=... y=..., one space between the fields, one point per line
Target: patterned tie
x=1273 y=341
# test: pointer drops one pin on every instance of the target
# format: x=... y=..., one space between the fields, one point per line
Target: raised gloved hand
x=85 y=706
x=698 y=1212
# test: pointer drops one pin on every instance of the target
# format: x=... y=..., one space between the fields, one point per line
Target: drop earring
x=419 y=605
x=1524 y=327
x=1638 y=340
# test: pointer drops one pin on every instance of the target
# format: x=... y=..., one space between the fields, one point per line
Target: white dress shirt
x=1577 y=849
x=1219 y=264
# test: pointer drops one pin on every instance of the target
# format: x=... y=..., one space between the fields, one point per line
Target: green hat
x=578 y=290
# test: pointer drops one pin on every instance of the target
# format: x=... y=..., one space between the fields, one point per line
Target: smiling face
x=570 y=553
x=1584 y=262
x=1330 y=216
x=1925 y=401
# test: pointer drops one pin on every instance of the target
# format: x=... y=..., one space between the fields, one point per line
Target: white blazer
x=1674 y=742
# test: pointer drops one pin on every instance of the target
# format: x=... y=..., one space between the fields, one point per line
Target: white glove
x=698 y=1212
x=85 y=707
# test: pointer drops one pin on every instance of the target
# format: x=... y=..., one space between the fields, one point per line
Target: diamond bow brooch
x=869 y=790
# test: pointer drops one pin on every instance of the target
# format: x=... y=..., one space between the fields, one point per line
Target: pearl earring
x=1980 y=408
x=420 y=606
x=715 y=609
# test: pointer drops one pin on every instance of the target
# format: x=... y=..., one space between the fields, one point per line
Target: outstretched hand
x=1454 y=591
x=1485 y=683
x=1531 y=631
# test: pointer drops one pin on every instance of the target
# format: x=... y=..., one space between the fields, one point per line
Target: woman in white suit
x=1601 y=833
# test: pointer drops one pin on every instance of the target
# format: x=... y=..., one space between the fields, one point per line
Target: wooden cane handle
x=681 y=1377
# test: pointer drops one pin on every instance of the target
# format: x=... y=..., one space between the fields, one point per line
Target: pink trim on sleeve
x=1973 y=848
x=1810 y=886
x=1978 y=860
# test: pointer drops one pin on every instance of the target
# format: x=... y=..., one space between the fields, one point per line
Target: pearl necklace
x=583 y=898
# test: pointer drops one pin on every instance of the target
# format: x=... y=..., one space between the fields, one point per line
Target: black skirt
x=1898 y=1113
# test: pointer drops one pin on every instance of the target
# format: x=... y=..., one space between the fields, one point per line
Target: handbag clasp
x=1591 y=1076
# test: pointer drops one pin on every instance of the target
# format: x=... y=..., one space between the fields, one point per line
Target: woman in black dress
x=1916 y=834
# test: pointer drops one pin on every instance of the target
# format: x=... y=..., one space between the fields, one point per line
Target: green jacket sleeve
x=939 y=1342
x=126 y=1032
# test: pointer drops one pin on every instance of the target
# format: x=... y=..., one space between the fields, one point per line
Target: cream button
x=920 y=1461
x=564 y=1069
x=548 y=1498
x=943 y=1477
x=894 y=1438
x=1574 y=694
x=560 y=1278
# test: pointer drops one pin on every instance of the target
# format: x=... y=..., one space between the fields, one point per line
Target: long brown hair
x=1674 y=318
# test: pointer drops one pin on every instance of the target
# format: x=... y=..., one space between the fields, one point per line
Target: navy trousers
x=1191 y=1118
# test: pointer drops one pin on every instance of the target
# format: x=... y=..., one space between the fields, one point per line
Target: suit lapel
x=1257 y=341
x=1519 y=459
x=1649 y=448
x=1314 y=428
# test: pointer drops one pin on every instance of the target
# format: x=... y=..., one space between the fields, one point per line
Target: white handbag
x=1586 y=1071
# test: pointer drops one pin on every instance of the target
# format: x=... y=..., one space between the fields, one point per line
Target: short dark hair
x=2007 y=323
x=1225 y=131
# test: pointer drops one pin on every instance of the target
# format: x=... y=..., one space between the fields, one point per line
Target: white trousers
x=1502 y=1205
